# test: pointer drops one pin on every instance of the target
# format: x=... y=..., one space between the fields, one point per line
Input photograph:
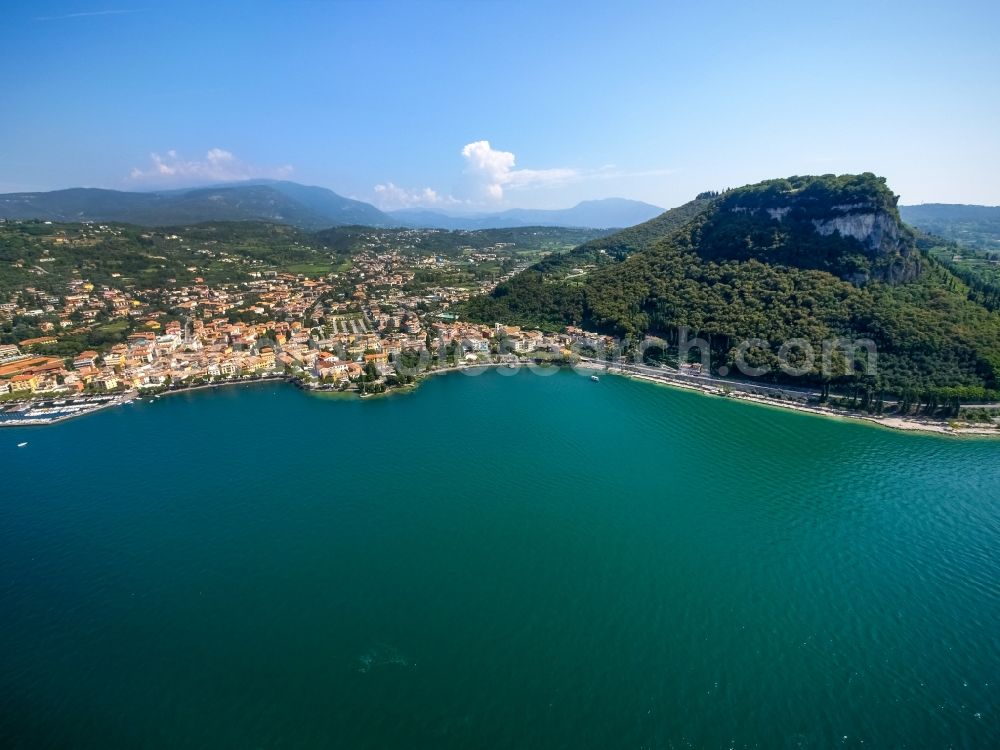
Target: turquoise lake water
x=495 y=562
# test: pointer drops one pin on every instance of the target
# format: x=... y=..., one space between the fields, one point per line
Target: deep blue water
x=495 y=562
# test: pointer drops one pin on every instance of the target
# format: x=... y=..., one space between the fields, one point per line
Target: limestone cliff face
x=876 y=231
x=880 y=236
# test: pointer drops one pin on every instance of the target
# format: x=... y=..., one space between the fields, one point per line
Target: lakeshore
x=753 y=393
x=373 y=329
x=719 y=389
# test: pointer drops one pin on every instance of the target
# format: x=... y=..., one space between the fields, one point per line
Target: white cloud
x=218 y=165
x=490 y=171
x=490 y=174
x=487 y=174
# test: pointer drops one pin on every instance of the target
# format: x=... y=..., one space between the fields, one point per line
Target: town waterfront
x=498 y=560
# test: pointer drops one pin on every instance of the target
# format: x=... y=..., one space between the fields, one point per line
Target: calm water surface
x=495 y=562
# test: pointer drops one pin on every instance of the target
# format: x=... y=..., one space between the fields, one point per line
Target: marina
x=43 y=412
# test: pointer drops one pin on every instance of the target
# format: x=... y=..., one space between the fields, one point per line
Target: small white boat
x=21 y=445
x=595 y=378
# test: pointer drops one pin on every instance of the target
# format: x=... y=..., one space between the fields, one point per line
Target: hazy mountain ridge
x=303 y=206
x=607 y=213
x=281 y=202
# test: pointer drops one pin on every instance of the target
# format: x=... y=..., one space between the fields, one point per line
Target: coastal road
x=668 y=374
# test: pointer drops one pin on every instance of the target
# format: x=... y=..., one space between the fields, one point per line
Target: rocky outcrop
x=876 y=231
x=860 y=210
x=881 y=234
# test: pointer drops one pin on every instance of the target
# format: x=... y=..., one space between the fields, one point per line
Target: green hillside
x=46 y=256
x=275 y=202
x=807 y=257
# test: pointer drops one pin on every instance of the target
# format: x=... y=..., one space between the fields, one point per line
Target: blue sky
x=476 y=104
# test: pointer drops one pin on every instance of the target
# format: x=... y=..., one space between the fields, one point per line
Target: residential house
x=85 y=359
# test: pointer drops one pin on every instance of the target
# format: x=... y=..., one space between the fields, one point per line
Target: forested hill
x=804 y=257
x=620 y=244
x=280 y=202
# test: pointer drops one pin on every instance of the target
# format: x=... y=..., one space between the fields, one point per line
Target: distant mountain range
x=597 y=214
x=285 y=202
x=314 y=208
x=278 y=201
